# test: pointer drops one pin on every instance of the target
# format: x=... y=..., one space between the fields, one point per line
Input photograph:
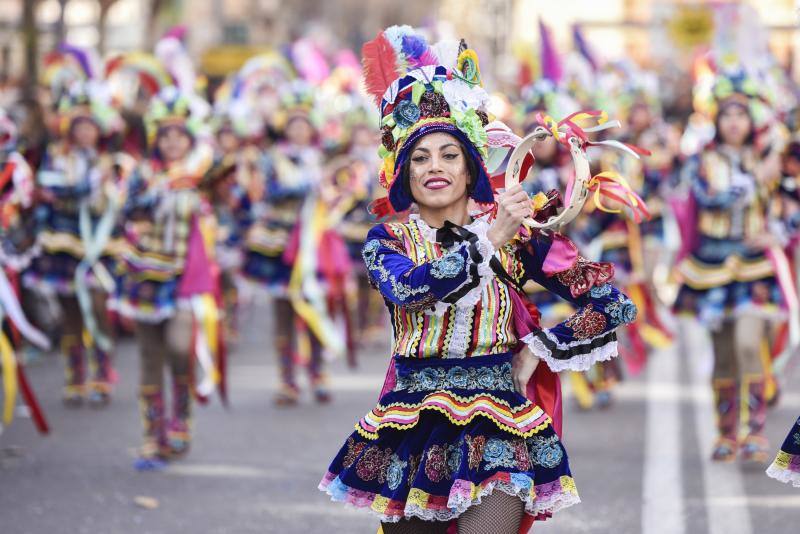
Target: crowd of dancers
x=135 y=200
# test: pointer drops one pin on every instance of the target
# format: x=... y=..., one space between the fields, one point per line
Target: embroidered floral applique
x=413 y=467
x=521 y=456
x=448 y=266
x=373 y=464
x=600 y=291
x=475 y=445
x=545 y=452
x=498 y=453
x=394 y=473
x=436 y=463
x=454 y=458
x=374 y=263
x=587 y=323
x=353 y=450
x=496 y=377
x=621 y=311
x=584 y=275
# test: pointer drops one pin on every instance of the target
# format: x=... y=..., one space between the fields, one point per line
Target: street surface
x=641 y=466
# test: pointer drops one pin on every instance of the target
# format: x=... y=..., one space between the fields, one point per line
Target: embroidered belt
x=491 y=373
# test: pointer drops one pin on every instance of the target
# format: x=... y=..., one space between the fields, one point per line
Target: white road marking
x=761 y=501
x=721 y=482
x=663 y=499
x=221 y=470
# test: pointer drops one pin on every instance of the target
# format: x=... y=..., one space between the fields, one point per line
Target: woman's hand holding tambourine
x=513 y=207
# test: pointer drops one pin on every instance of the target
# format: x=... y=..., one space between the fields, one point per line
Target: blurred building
x=222 y=32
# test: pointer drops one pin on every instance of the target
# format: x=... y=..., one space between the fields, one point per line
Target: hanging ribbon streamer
x=206 y=316
x=783 y=272
x=614 y=187
x=13 y=374
x=9 y=364
x=305 y=291
x=94 y=243
x=10 y=306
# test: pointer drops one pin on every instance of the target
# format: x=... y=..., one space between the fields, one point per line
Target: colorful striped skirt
x=448 y=433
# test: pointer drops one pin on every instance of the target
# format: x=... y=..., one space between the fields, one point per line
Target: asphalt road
x=641 y=466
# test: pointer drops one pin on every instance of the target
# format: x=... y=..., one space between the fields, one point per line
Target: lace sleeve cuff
x=575 y=355
x=479 y=253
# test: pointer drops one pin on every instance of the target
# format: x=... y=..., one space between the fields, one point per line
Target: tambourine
x=579 y=188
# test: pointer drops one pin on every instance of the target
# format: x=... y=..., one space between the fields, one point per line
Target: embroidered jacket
x=160 y=209
x=291 y=173
x=73 y=177
x=450 y=294
x=731 y=207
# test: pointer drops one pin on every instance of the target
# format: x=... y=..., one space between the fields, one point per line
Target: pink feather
x=427 y=58
x=380 y=66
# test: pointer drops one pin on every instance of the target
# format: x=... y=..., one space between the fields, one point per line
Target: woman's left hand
x=523 y=364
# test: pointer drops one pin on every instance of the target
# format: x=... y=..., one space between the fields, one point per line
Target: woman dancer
x=453 y=437
x=729 y=280
x=168 y=274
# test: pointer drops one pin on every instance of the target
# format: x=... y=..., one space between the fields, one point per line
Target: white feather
x=447 y=52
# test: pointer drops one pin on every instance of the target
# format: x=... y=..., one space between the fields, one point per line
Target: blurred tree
x=156 y=6
x=30 y=38
x=105 y=7
x=61 y=28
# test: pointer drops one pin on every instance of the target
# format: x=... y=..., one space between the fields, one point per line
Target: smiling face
x=173 y=144
x=438 y=172
x=299 y=131
x=85 y=133
x=734 y=125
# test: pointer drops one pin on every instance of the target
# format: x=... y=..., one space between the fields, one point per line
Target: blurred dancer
x=786 y=466
x=80 y=187
x=292 y=169
x=169 y=279
x=729 y=281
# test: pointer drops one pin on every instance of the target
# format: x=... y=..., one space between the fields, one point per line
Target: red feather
x=380 y=66
x=381 y=208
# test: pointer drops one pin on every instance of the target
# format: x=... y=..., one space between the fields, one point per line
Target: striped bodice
x=453 y=331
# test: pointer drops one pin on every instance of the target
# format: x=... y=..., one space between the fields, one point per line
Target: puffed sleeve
x=449 y=279
x=588 y=336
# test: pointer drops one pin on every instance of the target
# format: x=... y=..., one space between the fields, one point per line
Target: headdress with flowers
x=235 y=113
x=88 y=100
x=423 y=89
x=717 y=88
x=172 y=107
x=297 y=100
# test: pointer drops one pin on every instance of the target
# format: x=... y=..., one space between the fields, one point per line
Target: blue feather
x=414 y=46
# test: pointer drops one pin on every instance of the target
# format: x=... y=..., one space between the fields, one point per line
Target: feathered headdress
x=129 y=73
x=88 y=100
x=421 y=89
x=67 y=65
x=233 y=112
x=716 y=88
x=172 y=107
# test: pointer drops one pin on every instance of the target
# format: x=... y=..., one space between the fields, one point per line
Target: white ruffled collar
x=479 y=226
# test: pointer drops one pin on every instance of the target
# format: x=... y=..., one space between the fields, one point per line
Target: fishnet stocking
x=498 y=513
x=415 y=525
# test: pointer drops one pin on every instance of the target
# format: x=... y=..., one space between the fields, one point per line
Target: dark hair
x=751 y=135
x=405 y=170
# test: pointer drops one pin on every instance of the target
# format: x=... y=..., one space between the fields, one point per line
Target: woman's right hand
x=513 y=206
